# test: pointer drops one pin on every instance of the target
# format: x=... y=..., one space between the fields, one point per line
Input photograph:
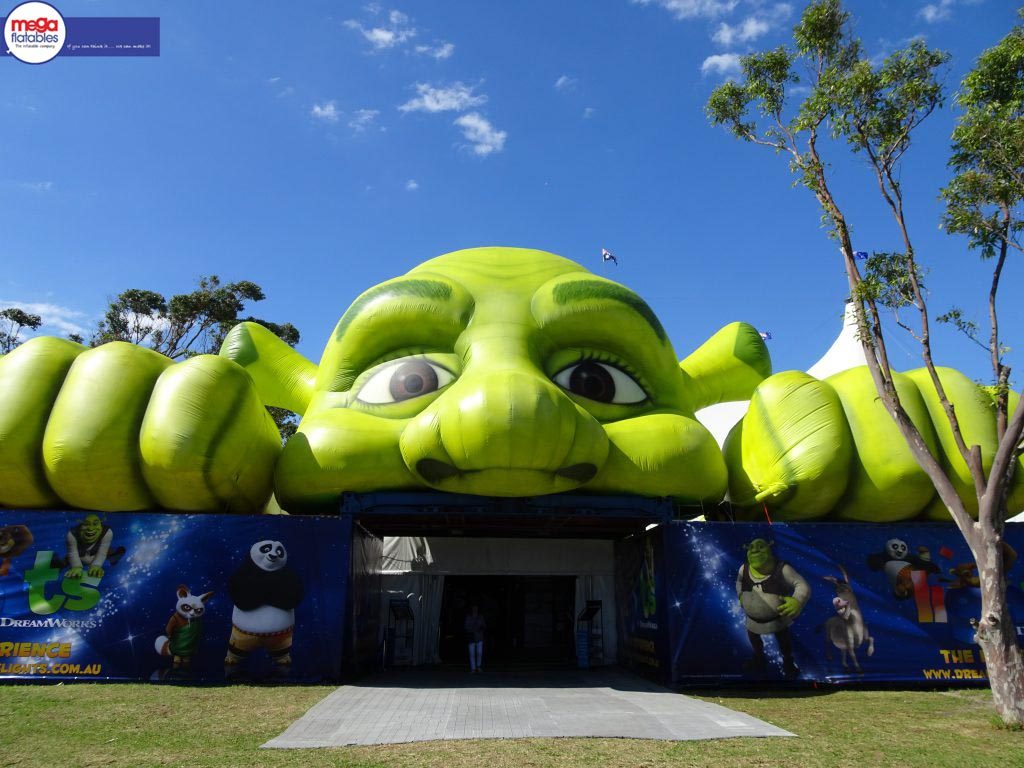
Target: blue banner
x=107 y=36
x=712 y=602
x=163 y=596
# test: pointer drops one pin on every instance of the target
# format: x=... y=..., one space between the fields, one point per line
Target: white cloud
x=363 y=119
x=397 y=31
x=749 y=29
x=936 y=12
x=273 y=80
x=456 y=97
x=588 y=112
x=439 y=52
x=726 y=64
x=692 y=9
x=565 y=83
x=56 y=319
x=36 y=186
x=761 y=23
x=328 y=112
x=478 y=130
x=412 y=185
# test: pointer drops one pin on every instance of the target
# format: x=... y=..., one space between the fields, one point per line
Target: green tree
x=13 y=321
x=875 y=110
x=983 y=201
x=189 y=324
x=186 y=324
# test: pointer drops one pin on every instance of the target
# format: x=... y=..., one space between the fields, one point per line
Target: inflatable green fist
x=121 y=428
x=808 y=449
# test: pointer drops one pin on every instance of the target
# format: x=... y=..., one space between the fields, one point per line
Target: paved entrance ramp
x=424 y=706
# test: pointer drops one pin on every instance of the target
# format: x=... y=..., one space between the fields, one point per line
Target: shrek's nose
x=489 y=430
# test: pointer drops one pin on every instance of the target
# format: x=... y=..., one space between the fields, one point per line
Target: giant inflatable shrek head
x=506 y=372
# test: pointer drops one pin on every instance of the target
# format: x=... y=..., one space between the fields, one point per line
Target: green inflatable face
x=510 y=372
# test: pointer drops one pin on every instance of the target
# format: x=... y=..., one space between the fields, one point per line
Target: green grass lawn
x=85 y=725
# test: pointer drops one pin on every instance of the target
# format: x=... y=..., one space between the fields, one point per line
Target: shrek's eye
x=602 y=382
x=403 y=379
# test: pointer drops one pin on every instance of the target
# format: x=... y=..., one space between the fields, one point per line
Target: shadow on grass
x=814 y=690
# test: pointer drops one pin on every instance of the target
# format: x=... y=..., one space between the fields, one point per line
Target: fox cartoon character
x=184 y=628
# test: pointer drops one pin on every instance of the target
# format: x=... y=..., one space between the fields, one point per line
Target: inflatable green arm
x=283 y=377
x=728 y=366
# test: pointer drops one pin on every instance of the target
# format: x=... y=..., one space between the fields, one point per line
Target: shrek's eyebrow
x=432 y=290
x=587 y=290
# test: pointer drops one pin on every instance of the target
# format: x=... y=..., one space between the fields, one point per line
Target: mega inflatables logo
x=34 y=32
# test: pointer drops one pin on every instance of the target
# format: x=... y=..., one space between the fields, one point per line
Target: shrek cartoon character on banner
x=89 y=548
x=772 y=594
x=489 y=371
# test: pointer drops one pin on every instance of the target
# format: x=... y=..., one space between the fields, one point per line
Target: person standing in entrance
x=475 y=626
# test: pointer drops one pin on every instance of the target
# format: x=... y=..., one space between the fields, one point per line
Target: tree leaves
x=983 y=200
x=12 y=321
x=189 y=324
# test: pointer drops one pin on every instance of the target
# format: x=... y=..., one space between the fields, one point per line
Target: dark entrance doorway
x=529 y=618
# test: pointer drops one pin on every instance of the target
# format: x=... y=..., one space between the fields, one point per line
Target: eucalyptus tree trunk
x=996 y=632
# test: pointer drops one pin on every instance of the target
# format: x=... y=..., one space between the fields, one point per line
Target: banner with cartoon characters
x=159 y=596
x=759 y=603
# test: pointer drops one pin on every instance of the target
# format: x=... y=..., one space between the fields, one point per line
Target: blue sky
x=319 y=148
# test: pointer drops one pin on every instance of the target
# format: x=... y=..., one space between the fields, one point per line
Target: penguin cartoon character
x=265 y=593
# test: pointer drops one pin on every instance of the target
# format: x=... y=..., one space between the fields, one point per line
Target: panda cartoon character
x=897 y=563
x=265 y=593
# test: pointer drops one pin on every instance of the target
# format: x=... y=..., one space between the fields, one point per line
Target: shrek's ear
x=283 y=377
x=728 y=366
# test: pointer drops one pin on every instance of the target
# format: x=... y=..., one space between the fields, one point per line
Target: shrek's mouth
x=435 y=471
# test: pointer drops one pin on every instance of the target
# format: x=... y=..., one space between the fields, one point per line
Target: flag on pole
x=765 y=335
x=607 y=255
x=862 y=255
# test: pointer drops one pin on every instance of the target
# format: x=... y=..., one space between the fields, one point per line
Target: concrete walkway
x=415 y=705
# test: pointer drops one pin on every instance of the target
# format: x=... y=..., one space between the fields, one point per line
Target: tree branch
x=997 y=479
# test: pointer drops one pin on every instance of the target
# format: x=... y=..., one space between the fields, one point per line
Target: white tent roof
x=846 y=351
